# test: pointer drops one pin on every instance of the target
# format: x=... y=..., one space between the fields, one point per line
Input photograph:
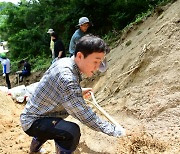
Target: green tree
x=25 y=25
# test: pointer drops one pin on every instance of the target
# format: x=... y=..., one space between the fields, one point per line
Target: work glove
x=119 y=131
x=4 y=75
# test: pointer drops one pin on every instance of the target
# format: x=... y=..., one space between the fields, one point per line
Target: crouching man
x=59 y=94
x=26 y=71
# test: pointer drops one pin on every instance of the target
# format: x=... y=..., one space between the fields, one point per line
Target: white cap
x=83 y=20
x=50 y=31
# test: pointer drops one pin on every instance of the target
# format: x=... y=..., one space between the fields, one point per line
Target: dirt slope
x=141 y=90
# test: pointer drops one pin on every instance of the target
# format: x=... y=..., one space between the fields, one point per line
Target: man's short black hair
x=54 y=35
x=89 y=44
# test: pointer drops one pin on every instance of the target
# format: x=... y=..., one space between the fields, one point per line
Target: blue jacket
x=74 y=39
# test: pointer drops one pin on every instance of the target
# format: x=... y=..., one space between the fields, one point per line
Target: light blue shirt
x=74 y=39
x=6 y=65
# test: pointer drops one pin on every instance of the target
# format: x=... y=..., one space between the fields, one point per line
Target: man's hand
x=4 y=75
x=119 y=131
x=86 y=92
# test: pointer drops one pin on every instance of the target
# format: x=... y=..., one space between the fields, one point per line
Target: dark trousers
x=8 y=81
x=22 y=75
x=65 y=134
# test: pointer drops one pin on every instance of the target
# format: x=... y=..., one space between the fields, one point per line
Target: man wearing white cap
x=50 y=31
x=5 y=62
x=83 y=27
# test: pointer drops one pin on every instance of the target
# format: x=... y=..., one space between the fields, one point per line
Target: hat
x=50 y=31
x=83 y=20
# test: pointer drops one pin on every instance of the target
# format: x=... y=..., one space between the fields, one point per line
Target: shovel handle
x=103 y=111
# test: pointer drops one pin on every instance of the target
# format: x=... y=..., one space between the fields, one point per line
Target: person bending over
x=26 y=71
x=59 y=94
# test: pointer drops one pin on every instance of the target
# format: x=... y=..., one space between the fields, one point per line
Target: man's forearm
x=60 y=54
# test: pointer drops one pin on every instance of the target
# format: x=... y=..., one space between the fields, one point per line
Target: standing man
x=59 y=94
x=50 y=31
x=59 y=50
x=80 y=32
x=5 y=62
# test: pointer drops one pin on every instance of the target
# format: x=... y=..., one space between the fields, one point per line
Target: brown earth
x=140 y=89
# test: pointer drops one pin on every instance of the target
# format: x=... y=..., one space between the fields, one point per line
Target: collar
x=76 y=68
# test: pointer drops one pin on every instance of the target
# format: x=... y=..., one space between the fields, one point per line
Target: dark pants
x=8 y=81
x=65 y=134
x=22 y=75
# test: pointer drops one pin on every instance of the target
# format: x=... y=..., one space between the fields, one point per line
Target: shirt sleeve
x=76 y=39
x=75 y=105
x=4 y=69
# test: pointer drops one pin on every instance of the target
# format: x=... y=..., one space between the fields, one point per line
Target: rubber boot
x=60 y=150
x=35 y=145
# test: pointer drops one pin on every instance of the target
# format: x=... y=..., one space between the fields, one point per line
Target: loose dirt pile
x=140 y=89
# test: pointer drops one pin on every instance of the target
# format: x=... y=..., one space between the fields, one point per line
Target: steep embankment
x=140 y=89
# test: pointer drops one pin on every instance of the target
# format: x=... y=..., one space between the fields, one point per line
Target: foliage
x=25 y=25
x=40 y=63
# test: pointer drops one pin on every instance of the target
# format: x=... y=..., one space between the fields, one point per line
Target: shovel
x=102 y=110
